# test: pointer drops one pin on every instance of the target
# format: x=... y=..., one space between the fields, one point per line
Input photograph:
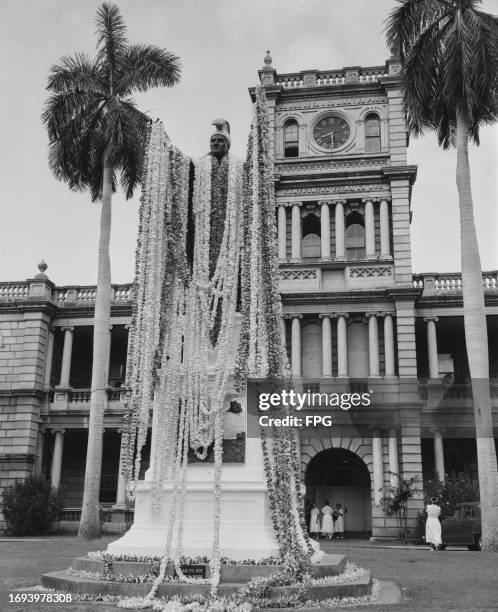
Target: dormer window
x=291 y=139
x=372 y=134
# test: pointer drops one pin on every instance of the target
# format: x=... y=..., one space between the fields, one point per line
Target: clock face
x=331 y=132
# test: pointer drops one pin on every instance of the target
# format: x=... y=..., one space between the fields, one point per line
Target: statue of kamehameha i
x=207 y=317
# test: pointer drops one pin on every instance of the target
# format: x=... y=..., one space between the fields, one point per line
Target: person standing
x=432 y=525
x=327 y=522
x=338 y=517
x=315 y=521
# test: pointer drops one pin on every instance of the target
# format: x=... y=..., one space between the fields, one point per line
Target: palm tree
x=449 y=55
x=96 y=136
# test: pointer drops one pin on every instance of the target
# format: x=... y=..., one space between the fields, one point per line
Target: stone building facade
x=356 y=318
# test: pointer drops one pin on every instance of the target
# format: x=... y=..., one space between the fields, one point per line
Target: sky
x=221 y=44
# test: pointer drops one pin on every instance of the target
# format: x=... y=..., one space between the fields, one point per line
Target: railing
x=14 y=291
x=83 y=396
x=86 y=295
x=455 y=391
x=18 y=291
x=452 y=282
x=331 y=77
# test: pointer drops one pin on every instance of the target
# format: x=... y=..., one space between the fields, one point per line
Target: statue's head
x=220 y=140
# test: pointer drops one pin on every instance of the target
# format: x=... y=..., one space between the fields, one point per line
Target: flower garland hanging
x=179 y=312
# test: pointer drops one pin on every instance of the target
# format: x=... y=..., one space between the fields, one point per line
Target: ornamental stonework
x=328 y=189
x=311 y=104
x=370 y=271
x=298 y=275
x=331 y=165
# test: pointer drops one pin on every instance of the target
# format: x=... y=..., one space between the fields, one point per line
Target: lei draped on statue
x=180 y=309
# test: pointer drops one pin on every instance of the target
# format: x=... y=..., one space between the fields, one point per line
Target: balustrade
x=451 y=282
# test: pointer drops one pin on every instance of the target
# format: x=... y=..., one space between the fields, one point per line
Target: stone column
x=369 y=230
x=282 y=233
x=55 y=472
x=385 y=246
x=340 y=230
x=389 y=345
x=432 y=346
x=39 y=451
x=121 y=491
x=393 y=456
x=48 y=358
x=342 y=346
x=377 y=465
x=66 y=356
x=373 y=344
x=296 y=232
x=326 y=345
x=439 y=454
x=296 y=346
x=325 y=230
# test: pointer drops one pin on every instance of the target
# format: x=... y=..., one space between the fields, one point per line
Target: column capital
x=292 y=316
x=344 y=315
x=365 y=200
x=339 y=201
x=322 y=202
x=128 y=326
x=434 y=318
x=66 y=328
x=326 y=315
x=374 y=314
x=386 y=199
x=57 y=430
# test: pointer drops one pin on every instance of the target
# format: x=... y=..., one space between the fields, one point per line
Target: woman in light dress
x=432 y=525
x=327 y=522
x=315 y=521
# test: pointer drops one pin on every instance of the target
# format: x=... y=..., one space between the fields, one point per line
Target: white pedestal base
x=246 y=528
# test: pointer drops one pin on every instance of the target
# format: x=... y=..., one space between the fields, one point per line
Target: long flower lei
x=179 y=312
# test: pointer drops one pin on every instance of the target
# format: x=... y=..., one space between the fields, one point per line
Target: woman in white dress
x=432 y=525
x=327 y=522
x=315 y=521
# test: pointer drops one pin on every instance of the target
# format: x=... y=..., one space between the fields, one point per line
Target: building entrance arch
x=340 y=476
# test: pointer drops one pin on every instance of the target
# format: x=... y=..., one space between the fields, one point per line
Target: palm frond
x=111 y=39
x=146 y=66
x=409 y=20
x=74 y=73
x=420 y=76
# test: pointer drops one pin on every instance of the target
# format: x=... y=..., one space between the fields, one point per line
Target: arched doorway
x=340 y=476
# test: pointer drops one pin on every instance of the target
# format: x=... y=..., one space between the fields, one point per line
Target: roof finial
x=268 y=60
x=42 y=266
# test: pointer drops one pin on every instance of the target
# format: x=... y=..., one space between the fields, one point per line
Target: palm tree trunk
x=90 y=519
x=476 y=340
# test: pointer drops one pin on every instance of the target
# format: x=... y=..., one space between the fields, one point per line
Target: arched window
x=311 y=245
x=291 y=139
x=372 y=134
x=355 y=236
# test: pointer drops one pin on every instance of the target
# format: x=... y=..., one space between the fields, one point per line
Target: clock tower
x=343 y=198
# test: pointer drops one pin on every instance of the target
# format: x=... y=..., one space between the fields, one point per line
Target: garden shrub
x=30 y=507
x=456 y=489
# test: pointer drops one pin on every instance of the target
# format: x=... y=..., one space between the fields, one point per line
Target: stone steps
x=74 y=584
x=331 y=565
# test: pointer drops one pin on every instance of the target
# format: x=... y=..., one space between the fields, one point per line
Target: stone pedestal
x=246 y=528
